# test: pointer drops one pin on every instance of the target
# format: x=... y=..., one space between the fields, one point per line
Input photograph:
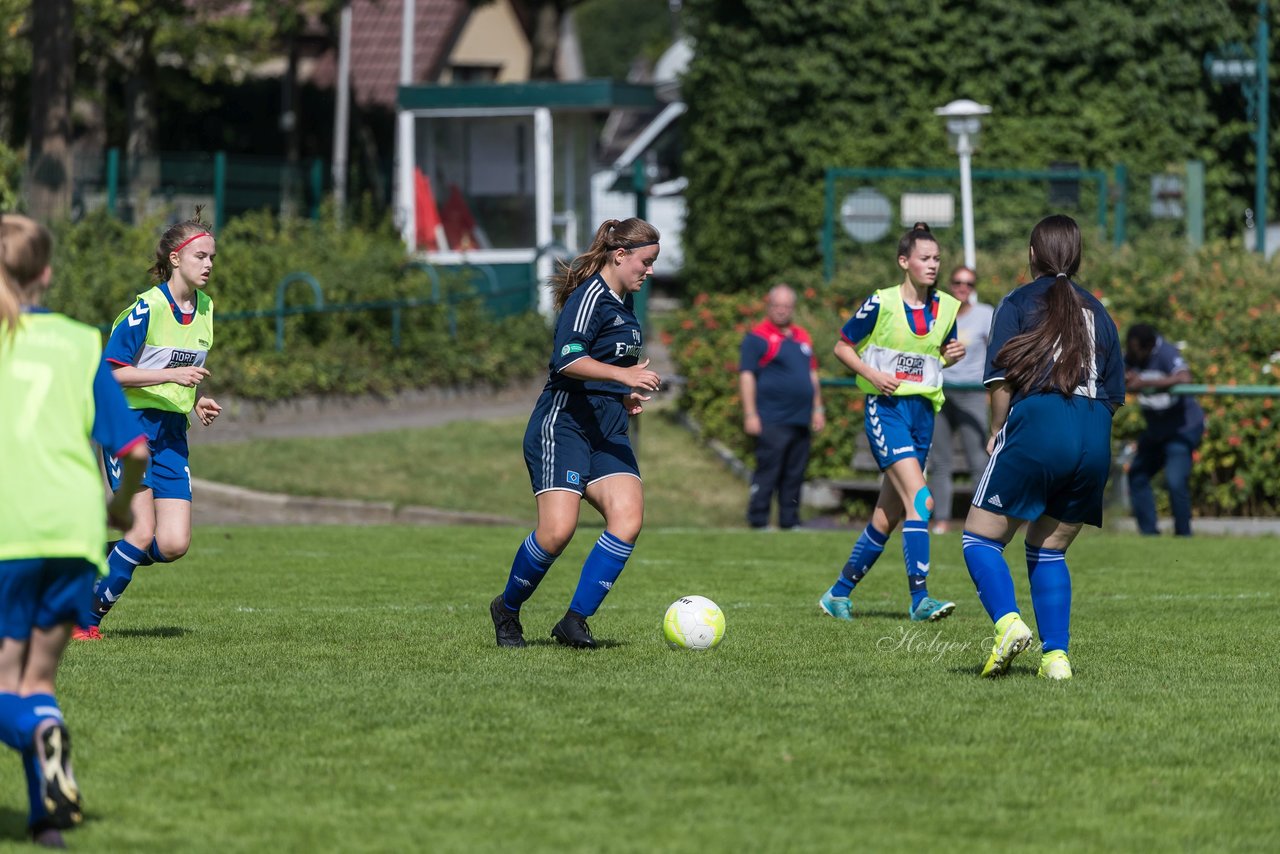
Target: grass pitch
x=338 y=689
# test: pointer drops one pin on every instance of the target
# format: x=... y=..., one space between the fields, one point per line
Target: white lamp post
x=963 y=124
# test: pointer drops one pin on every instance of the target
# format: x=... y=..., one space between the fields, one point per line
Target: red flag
x=459 y=224
x=430 y=231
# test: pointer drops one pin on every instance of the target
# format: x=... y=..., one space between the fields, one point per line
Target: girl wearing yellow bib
x=55 y=396
x=157 y=352
x=897 y=344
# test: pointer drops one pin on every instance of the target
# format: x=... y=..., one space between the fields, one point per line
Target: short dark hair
x=1143 y=334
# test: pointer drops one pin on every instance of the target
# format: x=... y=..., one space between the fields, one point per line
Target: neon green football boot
x=1054 y=665
x=1012 y=637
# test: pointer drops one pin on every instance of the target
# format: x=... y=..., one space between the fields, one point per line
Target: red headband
x=189 y=239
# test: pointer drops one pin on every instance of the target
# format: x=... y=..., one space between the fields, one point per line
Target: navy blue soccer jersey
x=1101 y=379
x=920 y=319
x=597 y=323
x=130 y=335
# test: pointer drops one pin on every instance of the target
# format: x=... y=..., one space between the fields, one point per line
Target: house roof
x=375 y=46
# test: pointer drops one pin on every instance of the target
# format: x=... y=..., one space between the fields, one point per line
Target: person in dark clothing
x=1175 y=426
x=781 y=407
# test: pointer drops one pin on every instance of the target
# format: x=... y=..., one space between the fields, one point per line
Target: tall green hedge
x=101 y=263
x=1223 y=304
x=780 y=91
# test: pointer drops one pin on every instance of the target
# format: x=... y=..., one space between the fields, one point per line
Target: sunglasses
x=968 y=282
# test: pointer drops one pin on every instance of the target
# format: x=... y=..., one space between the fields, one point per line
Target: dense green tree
x=779 y=92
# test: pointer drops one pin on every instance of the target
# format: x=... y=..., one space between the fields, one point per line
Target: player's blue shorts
x=575 y=439
x=44 y=592
x=169 y=472
x=899 y=428
x=1052 y=458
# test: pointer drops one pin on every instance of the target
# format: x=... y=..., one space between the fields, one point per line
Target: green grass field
x=338 y=689
x=476 y=467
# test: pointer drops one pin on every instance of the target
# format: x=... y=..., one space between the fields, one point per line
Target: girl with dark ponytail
x=1056 y=376
x=577 y=445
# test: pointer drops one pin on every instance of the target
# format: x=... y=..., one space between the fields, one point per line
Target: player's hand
x=639 y=376
x=751 y=425
x=991 y=445
x=1132 y=379
x=189 y=377
x=885 y=383
x=818 y=421
x=953 y=351
x=635 y=403
x=207 y=409
x=119 y=512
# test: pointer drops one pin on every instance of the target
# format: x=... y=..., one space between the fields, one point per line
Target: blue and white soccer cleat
x=836 y=606
x=932 y=609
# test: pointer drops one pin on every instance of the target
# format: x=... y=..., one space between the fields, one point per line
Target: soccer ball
x=693 y=622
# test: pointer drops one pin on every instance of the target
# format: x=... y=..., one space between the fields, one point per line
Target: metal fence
x=172 y=184
x=866 y=209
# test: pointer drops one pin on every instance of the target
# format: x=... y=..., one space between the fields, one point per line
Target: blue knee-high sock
x=12 y=729
x=915 y=552
x=603 y=566
x=866 y=551
x=1050 y=596
x=154 y=555
x=121 y=563
x=37 y=707
x=527 y=571
x=985 y=559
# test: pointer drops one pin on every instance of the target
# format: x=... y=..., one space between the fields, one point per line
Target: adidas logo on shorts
x=994 y=501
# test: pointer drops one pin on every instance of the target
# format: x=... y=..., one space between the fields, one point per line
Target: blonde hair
x=175 y=236
x=612 y=235
x=25 y=249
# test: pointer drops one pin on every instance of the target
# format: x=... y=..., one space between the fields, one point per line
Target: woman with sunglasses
x=964 y=411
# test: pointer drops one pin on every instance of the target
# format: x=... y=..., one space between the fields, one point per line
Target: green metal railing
x=1097 y=178
x=1196 y=389
x=439 y=295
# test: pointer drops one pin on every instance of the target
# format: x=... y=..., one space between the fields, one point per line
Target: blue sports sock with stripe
x=603 y=566
x=153 y=554
x=985 y=559
x=527 y=571
x=1050 y=596
x=121 y=563
x=36 y=707
x=866 y=551
x=12 y=711
x=915 y=552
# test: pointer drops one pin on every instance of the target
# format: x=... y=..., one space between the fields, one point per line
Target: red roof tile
x=375 y=46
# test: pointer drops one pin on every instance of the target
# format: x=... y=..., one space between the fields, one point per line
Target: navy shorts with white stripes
x=1051 y=458
x=574 y=439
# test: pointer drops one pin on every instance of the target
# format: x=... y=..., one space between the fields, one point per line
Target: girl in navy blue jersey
x=576 y=445
x=1056 y=375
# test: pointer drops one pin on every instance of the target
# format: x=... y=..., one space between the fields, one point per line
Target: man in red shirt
x=781 y=405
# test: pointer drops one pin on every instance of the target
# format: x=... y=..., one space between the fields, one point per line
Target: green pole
x=1260 y=198
x=1122 y=192
x=1195 y=204
x=640 y=184
x=317 y=186
x=219 y=189
x=829 y=229
x=113 y=179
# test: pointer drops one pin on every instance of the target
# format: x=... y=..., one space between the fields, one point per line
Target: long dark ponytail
x=1051 y=355
x=612 y=235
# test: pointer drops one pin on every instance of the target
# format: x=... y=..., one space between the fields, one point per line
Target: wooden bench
x=865 y=478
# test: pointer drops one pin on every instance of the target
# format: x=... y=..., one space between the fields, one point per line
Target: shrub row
x=1222 y=305
x=100 y=263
